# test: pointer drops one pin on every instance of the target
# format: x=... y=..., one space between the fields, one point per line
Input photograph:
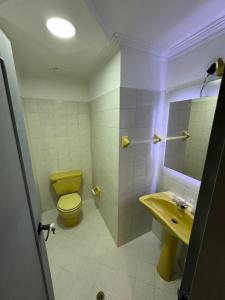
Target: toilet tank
x=66 y=182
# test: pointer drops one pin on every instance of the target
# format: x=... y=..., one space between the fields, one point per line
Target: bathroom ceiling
x=160 y=23
x=39 y=53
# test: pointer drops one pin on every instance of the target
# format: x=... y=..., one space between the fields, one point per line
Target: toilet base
x=70 y=222
x=70 y=219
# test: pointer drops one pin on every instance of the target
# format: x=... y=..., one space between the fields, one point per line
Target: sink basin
x=176 y=220
x=177 y=223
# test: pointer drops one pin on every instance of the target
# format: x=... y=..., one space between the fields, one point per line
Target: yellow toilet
x=66 y=185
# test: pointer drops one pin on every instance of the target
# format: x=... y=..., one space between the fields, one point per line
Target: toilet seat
x=69 y=203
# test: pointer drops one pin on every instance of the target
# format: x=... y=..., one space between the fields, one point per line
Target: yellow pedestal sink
x=177 y=223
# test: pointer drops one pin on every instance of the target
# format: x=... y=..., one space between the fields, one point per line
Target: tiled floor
x=84 y=260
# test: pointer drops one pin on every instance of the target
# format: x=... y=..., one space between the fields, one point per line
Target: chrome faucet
x=180 y=202
x=182 y=205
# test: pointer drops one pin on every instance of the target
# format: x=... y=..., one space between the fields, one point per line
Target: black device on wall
x=212 y=69
x=216 y=68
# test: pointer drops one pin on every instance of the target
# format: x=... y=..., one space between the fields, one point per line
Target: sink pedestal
x=177 y=223
x=167 y=256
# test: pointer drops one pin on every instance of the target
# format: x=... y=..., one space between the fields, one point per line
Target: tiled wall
x=200 y=125
x=59 y=139
x=105 y=155
x=138 y=109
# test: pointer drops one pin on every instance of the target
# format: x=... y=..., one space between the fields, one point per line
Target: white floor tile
x=123 y=262
x=143 y=291
x=145 y=272
x=162 y=295
x=89 y=269
x=85 y=260
x=123 y=287
x=133 y=248
x=63 y=285
x=169 y=287
x=55 y=271
x=94 y=291
x=73 y=264
x=81 y=290
x=105 y=279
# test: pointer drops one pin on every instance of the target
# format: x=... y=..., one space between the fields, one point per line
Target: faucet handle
x=180 y=201
x=177 y=199
x=183 y=205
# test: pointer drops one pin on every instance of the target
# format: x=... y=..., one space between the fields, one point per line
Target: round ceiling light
x=61 y=28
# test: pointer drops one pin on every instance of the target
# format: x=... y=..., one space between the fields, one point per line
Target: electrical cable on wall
x=204 y=84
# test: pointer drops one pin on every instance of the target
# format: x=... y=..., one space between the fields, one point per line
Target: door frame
x=15 y=108
x=208 y=202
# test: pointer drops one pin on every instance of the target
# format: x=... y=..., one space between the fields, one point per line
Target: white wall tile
x=105 y=155
x=129 y=98
x=127 y=118
x=59 y=138
x=135 y=163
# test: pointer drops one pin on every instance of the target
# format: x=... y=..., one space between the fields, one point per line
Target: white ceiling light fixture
x=61 y=28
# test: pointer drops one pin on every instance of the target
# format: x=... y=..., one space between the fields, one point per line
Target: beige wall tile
x=137 y=109
x=59 y=138
x=105 y=155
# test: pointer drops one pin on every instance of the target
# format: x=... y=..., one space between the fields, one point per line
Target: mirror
x=188 y=155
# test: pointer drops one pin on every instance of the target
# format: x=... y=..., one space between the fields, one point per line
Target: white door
x=24 y=270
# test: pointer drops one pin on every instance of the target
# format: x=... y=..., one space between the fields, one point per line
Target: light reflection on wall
x=157 y=149
x=182 y=177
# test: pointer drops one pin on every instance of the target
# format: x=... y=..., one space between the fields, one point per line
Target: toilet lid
x=69 y=202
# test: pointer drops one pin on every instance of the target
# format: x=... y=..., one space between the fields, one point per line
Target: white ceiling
x=160 y=23
x=37 y=52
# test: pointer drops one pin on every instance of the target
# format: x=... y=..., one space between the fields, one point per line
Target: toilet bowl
x=69 y=208
x=66 y=185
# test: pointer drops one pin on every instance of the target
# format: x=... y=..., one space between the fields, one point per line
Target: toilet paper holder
x=96 y=191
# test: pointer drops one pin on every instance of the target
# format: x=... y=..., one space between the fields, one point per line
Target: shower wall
x=104 y=90
x=105 y=156
x=138 y=120
x=59 y=139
